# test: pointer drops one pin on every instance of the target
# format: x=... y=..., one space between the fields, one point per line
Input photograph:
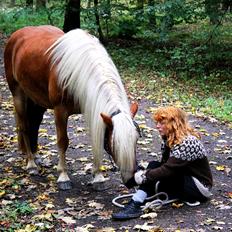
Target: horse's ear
x=107 y=120
x=134 y=109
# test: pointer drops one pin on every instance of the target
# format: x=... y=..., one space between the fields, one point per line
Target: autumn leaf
x=229 y=194
x=45 y=216
x=68 y=220
x=215 y=134
x=220 y=167
x=2 y=193
x=96 y=205
x=177 y=205
x=42 y=197
x=146 y=227
x=28 y=228
x=209 y=221
x=107 y=229
x=103 y=168
x=49 y=206
x=149 y=215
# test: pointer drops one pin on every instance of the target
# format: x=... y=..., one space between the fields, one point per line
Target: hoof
x=33 y=171
x=100 y=186
x=67 y=185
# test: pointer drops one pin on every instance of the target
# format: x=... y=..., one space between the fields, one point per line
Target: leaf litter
x=35 y=204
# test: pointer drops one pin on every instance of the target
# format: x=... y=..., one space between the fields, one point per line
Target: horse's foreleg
x=99 y=182
x=98 y=176
x=20 y=104
x=61 y=119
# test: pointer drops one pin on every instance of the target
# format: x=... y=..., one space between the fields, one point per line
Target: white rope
x=154 y=204
x=157 y=203
x=114 y=201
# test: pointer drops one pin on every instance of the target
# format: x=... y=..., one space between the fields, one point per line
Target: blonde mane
x=87 y=72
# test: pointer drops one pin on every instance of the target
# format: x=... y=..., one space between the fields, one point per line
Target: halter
x=106 y=144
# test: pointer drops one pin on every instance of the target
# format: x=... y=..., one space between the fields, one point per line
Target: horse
x=71 y=73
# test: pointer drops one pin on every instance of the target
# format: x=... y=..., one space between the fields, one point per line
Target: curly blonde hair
x=176 y=123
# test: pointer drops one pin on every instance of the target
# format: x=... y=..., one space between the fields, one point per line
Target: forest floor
x=35 y=204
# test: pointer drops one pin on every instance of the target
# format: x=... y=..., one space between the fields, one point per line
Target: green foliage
x=125 y=28
x=173 y=43
x=181 y=69
x=12 y=19
x=13 y=213
x=220 y=108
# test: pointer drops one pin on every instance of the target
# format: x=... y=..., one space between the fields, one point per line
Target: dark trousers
x=179 y=186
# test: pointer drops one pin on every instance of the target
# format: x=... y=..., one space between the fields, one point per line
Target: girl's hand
x=140 y=177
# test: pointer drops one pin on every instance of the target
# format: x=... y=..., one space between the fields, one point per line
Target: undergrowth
x=187 y=74
x=192 y=65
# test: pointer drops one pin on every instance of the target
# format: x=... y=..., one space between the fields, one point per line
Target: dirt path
x=82 y=208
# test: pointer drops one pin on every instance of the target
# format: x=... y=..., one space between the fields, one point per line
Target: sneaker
x=131 y=210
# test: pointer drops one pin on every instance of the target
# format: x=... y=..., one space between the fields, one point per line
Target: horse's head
x=121 y=136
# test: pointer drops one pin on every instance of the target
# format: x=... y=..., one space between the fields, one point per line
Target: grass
x=14 y=212
x=182 y=70
x=190 y=67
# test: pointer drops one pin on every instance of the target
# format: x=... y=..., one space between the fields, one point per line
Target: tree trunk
x=212 y=9
x=72 y=15
x=140 y=4
x=40 y=4
x=152 y=16
x=89 y=4
x=12 y=3
x=227 y=5
x=29 y=3
x=97 y=17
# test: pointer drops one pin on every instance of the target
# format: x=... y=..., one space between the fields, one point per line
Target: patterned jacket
x=187 y=158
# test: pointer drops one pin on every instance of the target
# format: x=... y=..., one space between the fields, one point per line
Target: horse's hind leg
x=61 y=119
x=28 y=119
x=35 y=116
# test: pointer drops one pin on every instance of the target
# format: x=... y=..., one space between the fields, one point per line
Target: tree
x=97 y=17
x=72 y=15
x=152 y=16
x=29 y=3
x=40 y=4
x=12 y=2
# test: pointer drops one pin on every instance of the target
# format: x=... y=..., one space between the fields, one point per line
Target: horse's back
x=26 y=61
x=29 y=44
x=32 y=38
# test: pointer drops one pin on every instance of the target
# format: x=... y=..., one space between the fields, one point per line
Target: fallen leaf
x=230 y=194
x=2 y=193
x=217 y=228
x=149 y=215
x=209 y=221
x=49 y=206
x=28 y=228
x=45 y=216
x=68 y=220
x=107 y=229
x=144 y=227
x=223 y=207
x=220 y=223
x=227 y=171
x=177 y=205
x=220 y=167
x=96 y=205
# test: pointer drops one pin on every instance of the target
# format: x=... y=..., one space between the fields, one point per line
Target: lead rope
x=155 y=204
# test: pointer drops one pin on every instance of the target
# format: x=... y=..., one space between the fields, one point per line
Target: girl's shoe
x=131 y=210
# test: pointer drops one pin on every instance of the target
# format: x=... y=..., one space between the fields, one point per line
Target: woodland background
x=172 y=50
x=175 y=52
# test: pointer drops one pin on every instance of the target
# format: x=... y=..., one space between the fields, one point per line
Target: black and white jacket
x=187 y=158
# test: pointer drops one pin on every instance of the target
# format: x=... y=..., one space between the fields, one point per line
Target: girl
x=183 y=173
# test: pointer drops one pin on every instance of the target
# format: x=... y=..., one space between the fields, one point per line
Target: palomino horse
x=70 y=73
